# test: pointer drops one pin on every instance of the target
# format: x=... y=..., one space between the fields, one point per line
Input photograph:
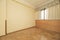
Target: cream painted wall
x=19 y=16
x=37 y=15
x=2 y=16
x=53 y=13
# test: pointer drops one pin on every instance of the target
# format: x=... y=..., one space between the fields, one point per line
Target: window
x=44 y=14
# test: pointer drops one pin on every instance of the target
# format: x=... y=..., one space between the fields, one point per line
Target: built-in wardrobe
x=15 y=16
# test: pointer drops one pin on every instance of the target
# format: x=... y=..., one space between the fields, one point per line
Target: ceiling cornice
x=23 y=3
x=46 y=4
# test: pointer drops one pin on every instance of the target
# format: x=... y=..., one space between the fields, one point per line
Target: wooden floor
x=28 y=34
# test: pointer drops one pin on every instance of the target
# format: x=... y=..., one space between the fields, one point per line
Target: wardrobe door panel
x=2 y=16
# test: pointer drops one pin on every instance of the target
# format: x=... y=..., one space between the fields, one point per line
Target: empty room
x=29 y=19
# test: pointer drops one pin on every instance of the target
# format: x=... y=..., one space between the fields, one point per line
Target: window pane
x=42 y=14
x=46 y=13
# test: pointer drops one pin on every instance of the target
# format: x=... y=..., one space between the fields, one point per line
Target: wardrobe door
x=2 y=17
x=19 y=16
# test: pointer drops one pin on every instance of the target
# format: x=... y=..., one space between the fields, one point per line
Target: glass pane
x=42 y=14
x=46 y=13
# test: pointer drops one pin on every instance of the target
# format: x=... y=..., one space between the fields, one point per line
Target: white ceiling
x=36 y=3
